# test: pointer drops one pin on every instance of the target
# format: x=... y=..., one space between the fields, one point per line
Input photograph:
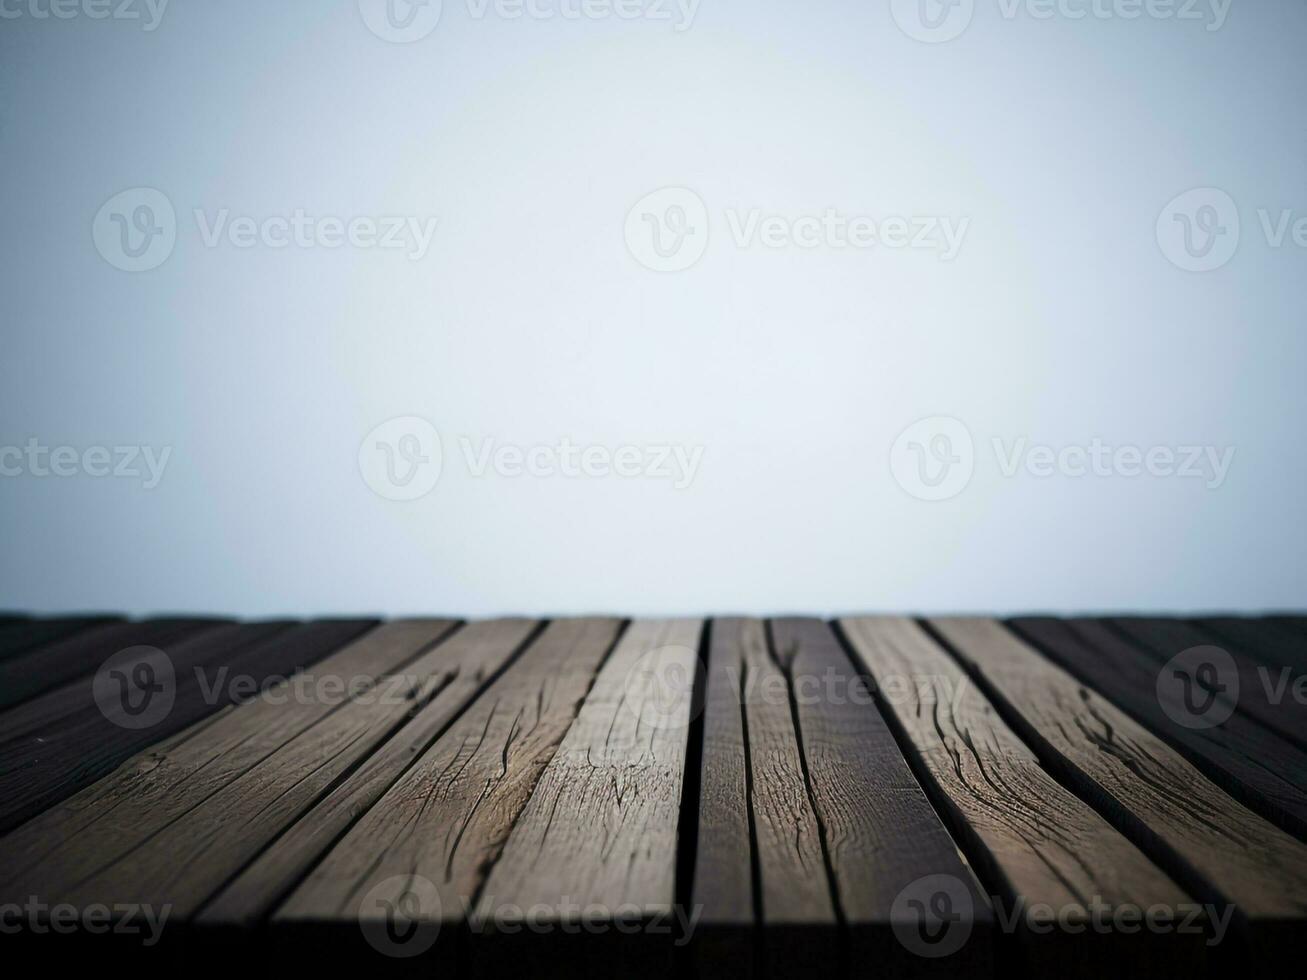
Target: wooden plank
x=447 y=818
x=21 y=635
x=795 y=888
x=1216 y=848
x=883 y=839
x=1266 y=773
x=1269 y=642
x=399 y=775
x=47 y=714
x=795 y=893
x=723 y=888
x=30 y=673
x=1037 y=842
x=600 y=829
x=1166 y=638
x=108 y=820
x=618 y=772
x=186 y=862
x=62 y=741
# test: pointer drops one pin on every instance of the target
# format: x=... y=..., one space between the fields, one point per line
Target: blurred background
x=652 y=306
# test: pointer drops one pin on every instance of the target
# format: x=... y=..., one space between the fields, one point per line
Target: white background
x=529 y=320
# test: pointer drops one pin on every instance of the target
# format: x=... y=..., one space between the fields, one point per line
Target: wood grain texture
x=187 y=862
x=882 y=836
x=1033 y=840
x=723 y=882
x=1219 y=850
x=20 y=635
x=1266 y=773
x=34 y=671
x=478 y=651
x=797 y=909
x=600 y=828
x=448 y=816
x=47 y=713
x=90 y=831
x=1165 y=638
x=61 y=741
x=794 y=882
x=722 y=886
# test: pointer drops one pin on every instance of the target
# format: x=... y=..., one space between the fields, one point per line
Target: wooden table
x=712 y=797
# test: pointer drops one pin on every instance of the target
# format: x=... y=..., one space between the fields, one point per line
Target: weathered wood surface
x=34 y=671
x=63 y=740
x=1034 y=840
x=600 y=828
x=1216 y=848
x=92 y=831
x=723 y=878
x=186 y=862
x=1254 y=697
x=801 y=802
x=1262 y=770
x=795 y=886
x=447 y=818
x=882 y=837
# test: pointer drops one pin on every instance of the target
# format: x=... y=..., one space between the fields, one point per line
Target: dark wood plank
x=1271 y=643
x=28 y=674
x=1166 y=638
x=19 y=636
x=1265 y=772
x=104 y=823
x=1032 y=839
x=722 y=886
x=185 y=863
x=883 y=840
x=48 y=713
x=62 y=741
x=446 y=820
x=401 y=775
x=1215 y=847
x=1294 y=624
